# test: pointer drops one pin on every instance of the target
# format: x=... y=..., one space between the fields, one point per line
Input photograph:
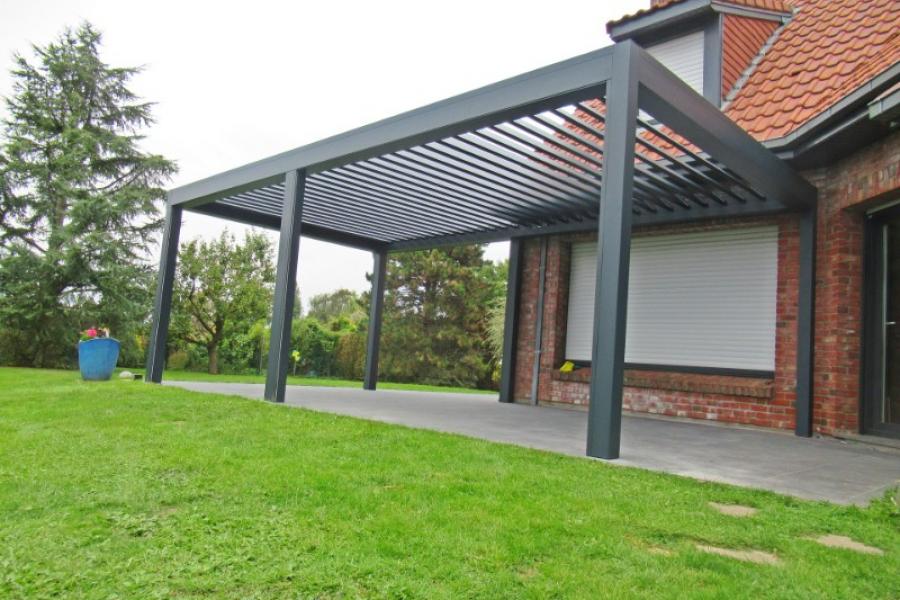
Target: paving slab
x=816 y=469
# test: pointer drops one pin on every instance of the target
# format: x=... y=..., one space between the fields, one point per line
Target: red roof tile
x=827 y=50
x=742 y=39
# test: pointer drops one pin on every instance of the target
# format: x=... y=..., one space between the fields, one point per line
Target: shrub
x=350 y=355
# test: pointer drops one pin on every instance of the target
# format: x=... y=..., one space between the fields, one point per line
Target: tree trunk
x=213 y=350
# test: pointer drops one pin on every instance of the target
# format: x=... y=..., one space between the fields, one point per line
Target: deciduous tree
x=221 y=288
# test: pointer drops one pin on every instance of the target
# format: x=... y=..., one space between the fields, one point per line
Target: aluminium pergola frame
x=529 y=156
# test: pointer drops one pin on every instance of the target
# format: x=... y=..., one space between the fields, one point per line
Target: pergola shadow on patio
x=600 y=142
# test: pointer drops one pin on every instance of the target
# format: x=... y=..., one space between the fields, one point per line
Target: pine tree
x=436 y=314
x=78 y=201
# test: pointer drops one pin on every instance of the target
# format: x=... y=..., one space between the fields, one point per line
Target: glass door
x=882 y=369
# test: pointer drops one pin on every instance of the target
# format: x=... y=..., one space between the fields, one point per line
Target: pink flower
x=91 y=333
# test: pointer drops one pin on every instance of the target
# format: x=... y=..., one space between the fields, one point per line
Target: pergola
x=600 y=142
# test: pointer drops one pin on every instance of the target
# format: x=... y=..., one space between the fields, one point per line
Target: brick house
x=714 y=338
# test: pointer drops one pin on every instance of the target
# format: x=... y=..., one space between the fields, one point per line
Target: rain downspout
x=539 y=323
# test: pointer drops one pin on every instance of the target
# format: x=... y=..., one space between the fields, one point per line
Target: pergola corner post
x=613 y=255
x=162 y=307
x=285 y=285
x=376 y=308
x=511 y=322
x=806 y=308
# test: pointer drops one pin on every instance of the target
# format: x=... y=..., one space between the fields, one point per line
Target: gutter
x=810 y=133
x=886 y=107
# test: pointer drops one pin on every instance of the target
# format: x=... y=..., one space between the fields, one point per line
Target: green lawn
x=313 y=381
x=129 y=490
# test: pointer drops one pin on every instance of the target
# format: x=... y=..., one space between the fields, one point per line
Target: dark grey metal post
x=539 y=323
x=613 y=254
x=285 y=285
x=162 y=307
x=511 y=322
x=376 y=307
x=806 y=308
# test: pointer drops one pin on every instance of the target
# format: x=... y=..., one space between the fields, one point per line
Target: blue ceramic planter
x=97 y=358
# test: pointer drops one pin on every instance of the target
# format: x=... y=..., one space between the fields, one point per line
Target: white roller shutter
x=684 y=57
x=697 y=299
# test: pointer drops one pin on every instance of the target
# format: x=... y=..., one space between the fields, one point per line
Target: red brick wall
x=856 y=182
x=868 y=176
x=698 y=396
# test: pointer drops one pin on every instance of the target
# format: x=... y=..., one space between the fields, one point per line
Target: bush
x=178 y=360
x=350 y=355
x=316 y=345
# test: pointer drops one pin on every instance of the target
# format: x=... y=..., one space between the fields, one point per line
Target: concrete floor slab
x=817 y=469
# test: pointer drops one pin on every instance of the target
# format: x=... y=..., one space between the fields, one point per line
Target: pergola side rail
x=577 y=78
x=271 y=221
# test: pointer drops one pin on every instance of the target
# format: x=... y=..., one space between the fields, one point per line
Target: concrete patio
x=817 y=469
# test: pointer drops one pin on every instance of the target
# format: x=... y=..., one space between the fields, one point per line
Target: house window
x=703 y=299
x=683 y=56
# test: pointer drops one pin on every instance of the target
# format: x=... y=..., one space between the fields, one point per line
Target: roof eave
x=804 y=137
x=646 y=23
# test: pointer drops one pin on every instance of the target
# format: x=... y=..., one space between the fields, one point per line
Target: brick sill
x=751 y=387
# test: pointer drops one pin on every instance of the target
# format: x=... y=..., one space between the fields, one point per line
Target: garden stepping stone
x=842 y=541
x=733 y=510
x=754 y=556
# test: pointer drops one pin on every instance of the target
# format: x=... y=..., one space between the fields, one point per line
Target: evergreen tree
x=436 y=316
x=78 y=201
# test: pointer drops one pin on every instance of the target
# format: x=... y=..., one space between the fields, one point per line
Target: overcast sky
x=238 y=81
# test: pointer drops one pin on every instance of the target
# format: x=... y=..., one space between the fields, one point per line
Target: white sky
x=238 y=81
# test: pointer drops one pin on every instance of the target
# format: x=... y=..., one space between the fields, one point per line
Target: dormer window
x=683 y=55
x=710 y=44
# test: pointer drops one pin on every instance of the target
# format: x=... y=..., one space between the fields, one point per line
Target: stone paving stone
x=733 y=510
x=842 y=541
x=754 y=556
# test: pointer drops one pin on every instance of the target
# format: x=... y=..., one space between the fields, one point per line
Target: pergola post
x=613 y=254
x=511 y=322
x=285 y=285
x=376 y=307
x=806 y=308
x=162 y=307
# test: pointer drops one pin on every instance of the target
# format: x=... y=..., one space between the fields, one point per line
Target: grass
x=177 y=375
x=123 y=489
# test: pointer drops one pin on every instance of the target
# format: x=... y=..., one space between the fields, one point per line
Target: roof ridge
x=747 y=72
